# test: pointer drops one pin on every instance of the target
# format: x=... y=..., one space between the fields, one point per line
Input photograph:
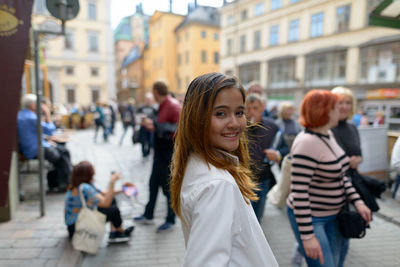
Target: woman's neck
x=322 y=130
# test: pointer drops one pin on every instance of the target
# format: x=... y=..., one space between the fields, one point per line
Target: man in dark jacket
x=266 y=147
x=164 y=127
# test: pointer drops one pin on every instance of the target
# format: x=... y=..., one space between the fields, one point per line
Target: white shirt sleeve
x=395 y=158
x=213 y=225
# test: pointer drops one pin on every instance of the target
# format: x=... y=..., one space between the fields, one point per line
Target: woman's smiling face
x=228 y=119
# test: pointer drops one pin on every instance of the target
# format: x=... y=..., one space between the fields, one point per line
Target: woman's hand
x=365 y=212
x=114 y=177
x=355 y=161
x=313 y=249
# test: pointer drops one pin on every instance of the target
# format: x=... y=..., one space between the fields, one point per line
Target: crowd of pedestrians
x=212 y=158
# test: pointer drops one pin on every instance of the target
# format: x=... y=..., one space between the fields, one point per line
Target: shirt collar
x=232 y=158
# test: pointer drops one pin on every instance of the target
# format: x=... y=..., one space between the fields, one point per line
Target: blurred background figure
x=289 y=126
x=148 y=110
x=379 y=119
x=357 y=117
x=395 y=163
x=128 y=117
x=99 y=120
x=254 y=87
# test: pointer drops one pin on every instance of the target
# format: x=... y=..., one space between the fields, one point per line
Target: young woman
x=82 y=179
x=319 y=187
x=210 y=188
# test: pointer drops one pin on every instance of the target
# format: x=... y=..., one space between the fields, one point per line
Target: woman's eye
x=240 y=113
x=219 y=113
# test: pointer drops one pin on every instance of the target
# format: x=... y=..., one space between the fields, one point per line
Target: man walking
x=266 y=147
x=164 y=127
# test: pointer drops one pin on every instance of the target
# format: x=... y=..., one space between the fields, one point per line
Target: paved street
x=31 y=241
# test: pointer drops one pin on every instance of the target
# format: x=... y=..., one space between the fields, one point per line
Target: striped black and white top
x=319 y=187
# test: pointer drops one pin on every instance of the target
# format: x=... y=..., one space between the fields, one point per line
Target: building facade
x=197 y=45
x=292 y=46
x=160 y=61
x=130 y=39
x=81 y=63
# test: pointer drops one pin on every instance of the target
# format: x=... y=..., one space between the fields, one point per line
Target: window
x=92 y=12
x=187 y=81
x=249 y=72
x=179 y=82
x=231 y=19
x=216 y=36
x=244 y=14
x=95 y=94
x=281 y=73
x=259 y=9
x=317 y=25
x=69 y=39
x=294 y=1
x=203 y=56
x=229 y=47
x=216 y=57
x=203 y=35
x=273 y=35
x=161 y=62
x=242 y=43
x=39 y=7
x=70 y=91
x=187 y=57
x=294 y=30
x=324 y=69
x=69 y=70
x=276 y=4
x=342 y=18
x=380 y=63
x=178 y=38
x=94 y=71
x=179 y=59
x=186 y=36
x=93 y=41
x=257 y=40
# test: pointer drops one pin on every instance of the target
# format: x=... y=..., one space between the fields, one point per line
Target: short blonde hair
x=343 y=91
x=285 y=106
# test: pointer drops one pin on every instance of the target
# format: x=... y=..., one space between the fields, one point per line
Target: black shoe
x=129 y=230
x=118 y=237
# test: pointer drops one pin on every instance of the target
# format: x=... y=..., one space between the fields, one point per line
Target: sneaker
x=118 y=237
x=164 y=227
x=143 y=220
x=129 y=230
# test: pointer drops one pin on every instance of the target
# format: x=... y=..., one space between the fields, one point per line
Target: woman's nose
x=233 y=121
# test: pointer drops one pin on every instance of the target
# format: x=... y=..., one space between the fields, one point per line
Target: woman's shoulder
x=200 y=175
x=305 y=144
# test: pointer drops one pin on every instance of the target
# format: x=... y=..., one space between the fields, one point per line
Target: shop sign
x=385 y=93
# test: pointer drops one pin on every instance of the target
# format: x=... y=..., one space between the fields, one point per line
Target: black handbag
x=351 y=224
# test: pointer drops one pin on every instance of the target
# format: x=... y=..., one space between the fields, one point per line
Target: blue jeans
x=326 y=230
x=259 y=205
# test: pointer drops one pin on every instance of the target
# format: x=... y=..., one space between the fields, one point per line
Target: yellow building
x=197 y=49
x=292 y=46
x=81 y=64
x=160 y=55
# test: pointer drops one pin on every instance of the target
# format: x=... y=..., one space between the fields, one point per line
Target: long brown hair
x=83 y=172
x=193 y=137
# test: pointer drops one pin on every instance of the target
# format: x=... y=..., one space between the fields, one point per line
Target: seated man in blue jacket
x=266 y=147
x=58 y=155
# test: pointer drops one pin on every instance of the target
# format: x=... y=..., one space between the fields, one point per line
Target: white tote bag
x=279 y=192
x=89 y=228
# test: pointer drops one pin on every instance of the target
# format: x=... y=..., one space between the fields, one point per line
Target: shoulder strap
x=81 y=196
x=326 y=143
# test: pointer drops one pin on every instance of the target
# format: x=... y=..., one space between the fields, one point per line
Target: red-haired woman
x=210 y=187
x=319 y=187
x=81 y=179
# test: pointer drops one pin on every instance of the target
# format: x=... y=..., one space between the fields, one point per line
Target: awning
x=386 y=14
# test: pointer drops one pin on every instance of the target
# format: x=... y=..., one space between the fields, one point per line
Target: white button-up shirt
x=219 y=227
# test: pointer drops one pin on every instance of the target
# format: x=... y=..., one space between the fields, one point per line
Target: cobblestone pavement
x=31 y=241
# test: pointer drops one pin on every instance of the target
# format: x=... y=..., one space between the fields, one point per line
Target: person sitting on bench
x=56 y=154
